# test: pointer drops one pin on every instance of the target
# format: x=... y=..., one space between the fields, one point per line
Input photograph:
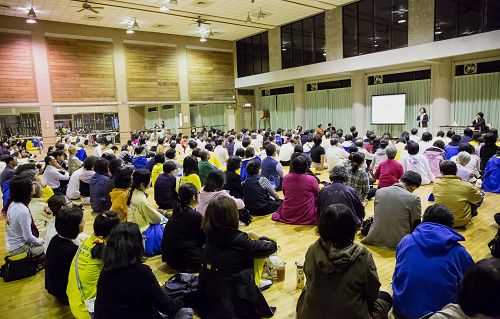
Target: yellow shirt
x=214 y=161
x=47 y=193
x=157 y=170
x=191 y=178
x=89 y=270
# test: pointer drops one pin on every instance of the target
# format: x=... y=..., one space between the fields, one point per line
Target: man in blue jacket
x=429 y=265
x=99 y=198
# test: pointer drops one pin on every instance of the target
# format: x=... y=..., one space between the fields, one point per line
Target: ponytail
x=357 y=160
x=140 y=176
x=183 y=199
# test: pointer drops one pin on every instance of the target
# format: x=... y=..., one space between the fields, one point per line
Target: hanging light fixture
x=401 y=18
x=260 y=15
x=130 y=30
x=164 y=6
x=248 y=20
x=31 y=15
x=437 y=30
x=135 y=25
x=203 y=38
x=174 y=3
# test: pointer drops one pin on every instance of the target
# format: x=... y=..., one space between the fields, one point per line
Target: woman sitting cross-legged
x=300 y=190
x=342 y=280
x=88 y=262
x=233 y=179
x=62 y=249
x=259 y=196
x=190 y=172
x=164 y=188
x=183 y=239
x=227 y=284
x=126 y=287
x=142 y=212
x=213 y=189
x=119 y=194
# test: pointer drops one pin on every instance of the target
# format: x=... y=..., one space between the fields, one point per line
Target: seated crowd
x=202 y=186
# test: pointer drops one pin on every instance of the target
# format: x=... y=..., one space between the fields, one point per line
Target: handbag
x=18 y=267
x=494 y=245
x=366 y=225
x=89 y=303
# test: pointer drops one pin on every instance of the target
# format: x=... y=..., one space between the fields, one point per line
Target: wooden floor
x=28 y=299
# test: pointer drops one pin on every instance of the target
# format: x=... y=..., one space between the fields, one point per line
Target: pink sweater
x=388 y=173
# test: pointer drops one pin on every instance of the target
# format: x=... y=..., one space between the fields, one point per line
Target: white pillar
x=299 y=88
x=184 y=87
x=441 y=94
x=120 y=68
x=358 y=91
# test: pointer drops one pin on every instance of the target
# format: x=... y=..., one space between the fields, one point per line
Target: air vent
x=93 y=18
x=160 y=26
x=378 y=79
x=470 y=68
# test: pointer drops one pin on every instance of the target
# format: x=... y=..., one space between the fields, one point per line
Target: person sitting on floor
x=358 y=177
x=249 y=155
x=126 y=287
x=380 y=154
x=227 y=285
x=396 y=212
x=190 y=172
x=488 y=150
x=61 y=250
x=318 y=154
x=139 y=160
x=341 y=277
x=85 y=177
x=286 y=152
x=74 y=162
x=389 y=171
x=338 y=192
x=478 y=294
x=258 y=193
x=88 y=262
x=39 y=210
x=204 y=166
x=99 y=199
x=460 y=197
x=119 y=194
x=452 y=148
x=157 y=168
x=491 y=177
x=53 y=174
x=435 y=155
x=417 y=163
x=335 y=155
x=474 y=163
x=164 y=188
x=429 y=265
x=233 y=179
x=214 y=188
x=271 y=168
x=300 y=191
x=183 y=238
x=213 y=159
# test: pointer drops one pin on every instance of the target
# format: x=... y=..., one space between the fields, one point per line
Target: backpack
x=184 y=287
x=494 y=245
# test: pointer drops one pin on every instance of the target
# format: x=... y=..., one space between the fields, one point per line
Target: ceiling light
x=401 y=19
x=173 y=3
x=260 y=15
x=164 y=7
x=437 y=30
x=203 y=38
x=130 y=31
x=31 y=15
x=248 y=20
x=135 y=25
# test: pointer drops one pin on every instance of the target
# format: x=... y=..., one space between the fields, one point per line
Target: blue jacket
x=99 y=198
x=450 y=151
x=140 y=162
x=429 y=266
x=491 y=178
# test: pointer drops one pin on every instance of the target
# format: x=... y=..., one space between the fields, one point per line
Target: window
x=252 y=55
x=374 y=25
x=458 y=18
x=303 y=42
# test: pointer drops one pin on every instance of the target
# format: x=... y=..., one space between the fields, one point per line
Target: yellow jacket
x=157 y=170
x=142 y=212
x=191 y=178
x=458 y=196
x=119 y=198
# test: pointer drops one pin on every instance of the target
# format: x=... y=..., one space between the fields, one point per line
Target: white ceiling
x=227 y=17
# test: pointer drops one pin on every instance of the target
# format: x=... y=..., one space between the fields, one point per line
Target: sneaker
x=264 y=284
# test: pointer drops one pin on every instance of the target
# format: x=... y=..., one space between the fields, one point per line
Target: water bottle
x=300 y=275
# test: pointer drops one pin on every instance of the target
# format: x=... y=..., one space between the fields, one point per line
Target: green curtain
x=170 y=117
x=418 y=94
x=213 y=115
x=329 y=106
x=151 y=118
x=477 y=93
x=283 y=116
x=193 y=114
x=266 y=103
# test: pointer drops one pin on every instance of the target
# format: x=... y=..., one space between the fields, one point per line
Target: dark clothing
x=316 y=152
x=230 y=148
x=465 y=139
x=256 y=198
x=341 y=283
x=99 y=199
x=233 y=184
x=58 y=260
x=486 y=152
x=6 y=175
x=133 y=293
x=84 y=189
x=165 y=191
x=424 y=121
x=110 y=184
x=183 y=241
x=151 y=164
x=339 y=193
x=226 y=283
x=270 y=172
x=479 y=125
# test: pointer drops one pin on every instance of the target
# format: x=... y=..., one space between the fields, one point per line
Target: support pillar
x=333 y=29
x=184 y=88
x=420 y=21
x=441 y=94
x=274 y=49
x=121 y=90
x=299 y=88
x=358 y=91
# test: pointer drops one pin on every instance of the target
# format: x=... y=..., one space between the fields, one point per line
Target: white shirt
x=415 y=138
x=286 y=152
x=335 y=156
x=98 y=151
x=52 y=176
x=18 y=227
x=423 y=146
x=237 y=145
x=419 y=164
x=73 y=191
x=221 y=154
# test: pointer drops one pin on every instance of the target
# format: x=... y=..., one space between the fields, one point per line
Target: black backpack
x=494 y=245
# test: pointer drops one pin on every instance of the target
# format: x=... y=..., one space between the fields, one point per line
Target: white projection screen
x=388 y=109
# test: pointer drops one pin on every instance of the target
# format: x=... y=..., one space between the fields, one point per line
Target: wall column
x=182 y=64
x=299 y=89
x=441 y=94
x=120 y=69
x=358 y=91
x=274 y=41
x=420 y=21
x=44 y=92
x=333 y=28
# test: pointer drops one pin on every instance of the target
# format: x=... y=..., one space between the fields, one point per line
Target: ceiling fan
x=87 y=6
x=200 y=22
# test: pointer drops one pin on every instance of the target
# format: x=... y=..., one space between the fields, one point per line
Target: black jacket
x=164 y=191
x=424 y=121
x=479 y=125
x=58 y=259
x=227 y=284
x=233 y=184
x=183 y=241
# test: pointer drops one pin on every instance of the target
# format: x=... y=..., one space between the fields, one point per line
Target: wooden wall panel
x=152 y=73
x=210 y=75
x=17 y=76
x=81 y=70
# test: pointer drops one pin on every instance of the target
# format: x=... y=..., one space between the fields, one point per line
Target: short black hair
x=317 y=140
x=426 y=137
x=440 y=134
x=412 y=148
x=450 y=133
x=490 y=138
x=468 y=132
x=209 y=147
x=215 y=181
x=170 y=153
x=89 y=162
x=204 y=155
x=253 y=167
x=20 y=189
x=123 y=177
x=233 y=163
x=249 y=152
x=68 y=221
x=139 y=150
x=478 y=291
x=240 y=152
x=124 y=247
x=438 y=214
x=56 y=203
x=466 y=147
x=411 y=178
x=384 y=142
x=101 y=166
x=169 y=167
x=7 y=158
x=190 y=166
x=448 y=168
x=298 y=149
x=103 y=224
x=339 y=174
x=414 y=131
x=455 y=138
x=438 y=143
x=160 y=158
x=337 y=225
x=481 y=114
x=270 y=149
x=114 y=165
x=299 y=165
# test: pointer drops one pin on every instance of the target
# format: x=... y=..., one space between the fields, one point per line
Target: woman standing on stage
x=422 y=120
